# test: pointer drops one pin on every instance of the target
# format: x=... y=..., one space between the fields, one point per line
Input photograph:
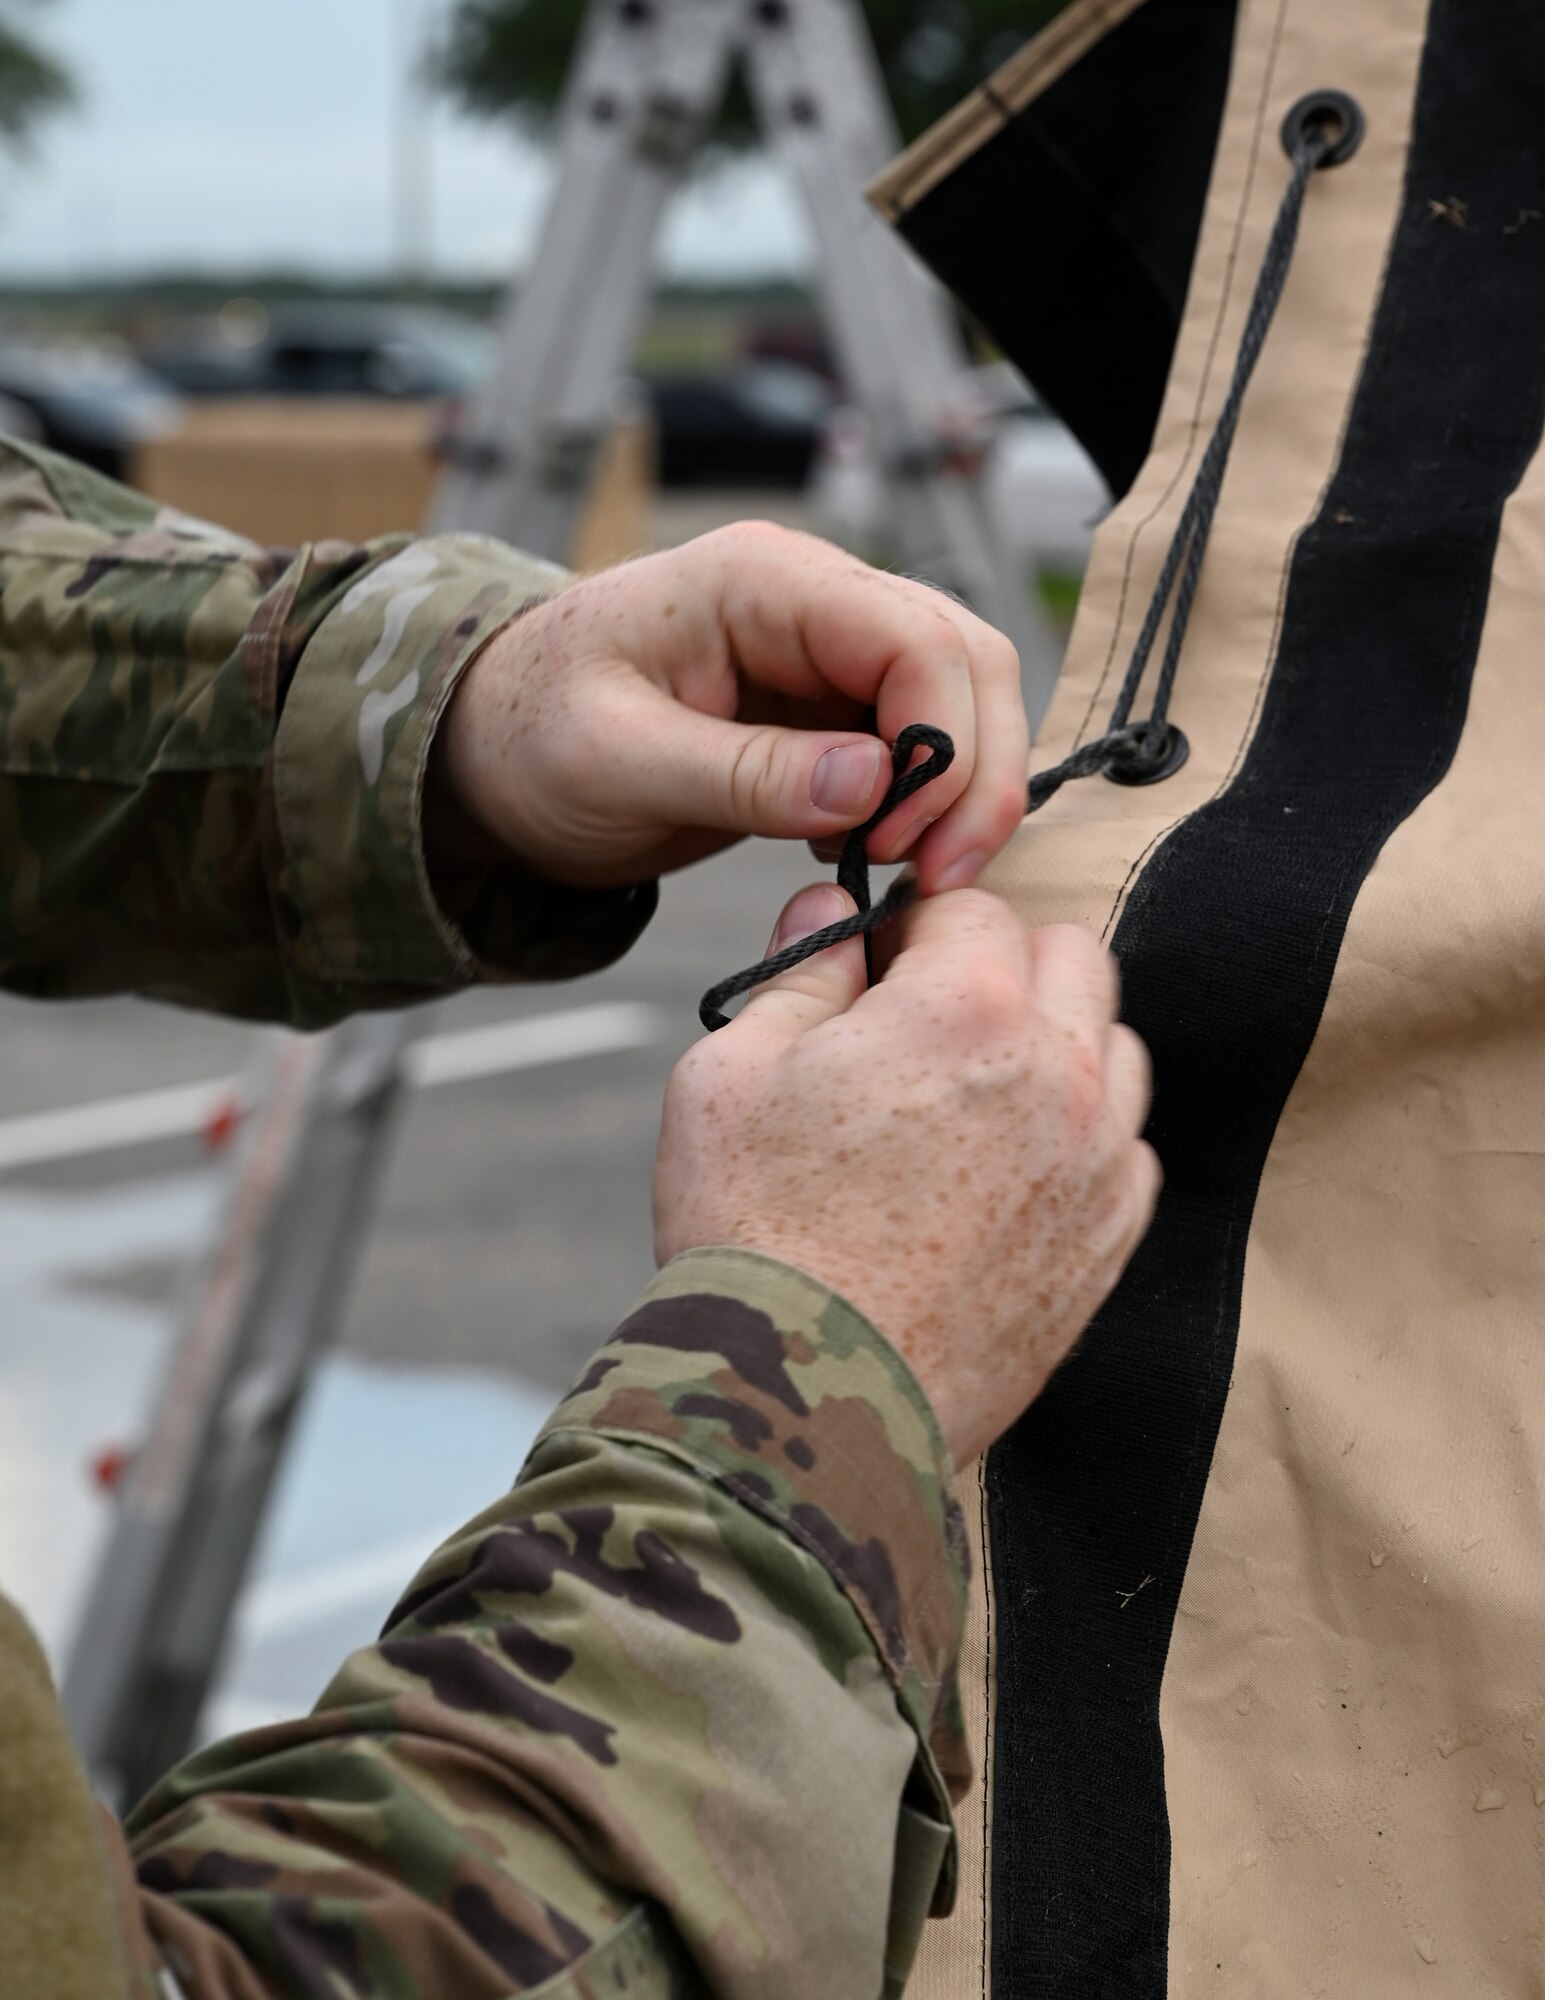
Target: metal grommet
x=1341 y=115
x=1172 y=752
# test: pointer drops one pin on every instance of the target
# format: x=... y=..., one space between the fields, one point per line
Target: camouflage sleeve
x=675 y=1717
x=212 y=762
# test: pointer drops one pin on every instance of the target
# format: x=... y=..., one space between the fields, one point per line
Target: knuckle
x=939 y=608
x=1008 y=811
x=990 y=1001
x=938 y=595
x=995 y=656
x=1085 y=959
x=1072 y=939
x=755 y=536
x=755 y=778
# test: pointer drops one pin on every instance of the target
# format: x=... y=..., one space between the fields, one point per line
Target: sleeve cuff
x=784 y=1394
x=350 y=758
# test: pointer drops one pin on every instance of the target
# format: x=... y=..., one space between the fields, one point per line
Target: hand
x=954 y=1150
x=652 y=713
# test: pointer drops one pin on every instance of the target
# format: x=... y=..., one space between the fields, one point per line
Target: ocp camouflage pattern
x=212 y=760
x=646 y=1725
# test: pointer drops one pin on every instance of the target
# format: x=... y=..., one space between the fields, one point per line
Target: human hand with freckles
x=955 y=1149
x=649 y=714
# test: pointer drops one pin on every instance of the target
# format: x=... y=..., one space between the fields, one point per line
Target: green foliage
x=31 y=83
x=510 y=56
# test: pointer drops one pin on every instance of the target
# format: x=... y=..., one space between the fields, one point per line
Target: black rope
x=1135 y=752
x=852 y=875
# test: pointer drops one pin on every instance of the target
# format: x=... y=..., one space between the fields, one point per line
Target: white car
x=1044 y=494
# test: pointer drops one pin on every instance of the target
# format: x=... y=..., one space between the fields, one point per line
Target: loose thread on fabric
x=1135 y=753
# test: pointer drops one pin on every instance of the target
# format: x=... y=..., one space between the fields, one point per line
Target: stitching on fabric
x=1274 y=644
x=1319 y=507
x=1080 y=27
x=1194 y=430
x=1163 y=834
x=941 y=151
x=1247 y=732
x=1156 y=1745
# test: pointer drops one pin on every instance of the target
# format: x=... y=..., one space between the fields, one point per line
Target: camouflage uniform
x=677 y=1714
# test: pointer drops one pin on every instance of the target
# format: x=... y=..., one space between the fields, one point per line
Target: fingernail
x=811 y=910
x=964 y=869
x=844 y=778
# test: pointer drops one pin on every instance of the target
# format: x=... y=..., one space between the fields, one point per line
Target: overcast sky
x=214 y=134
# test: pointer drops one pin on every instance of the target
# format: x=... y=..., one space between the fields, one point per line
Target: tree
x=32 y=84
x=510 y=56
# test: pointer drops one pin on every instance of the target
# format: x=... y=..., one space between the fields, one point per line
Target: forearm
x=660 y=1706
x=213 y=759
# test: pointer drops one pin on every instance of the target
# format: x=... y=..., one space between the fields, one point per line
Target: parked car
x=756 y=423
x=403 y=352
x=1042 y=490
x=90 y=399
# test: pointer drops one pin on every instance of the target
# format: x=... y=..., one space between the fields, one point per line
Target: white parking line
x=140 y=1119
x=113 y=1121
x=528 y=1044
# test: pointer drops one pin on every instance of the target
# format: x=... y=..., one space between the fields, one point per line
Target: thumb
x=693 y=771
x=816 y=990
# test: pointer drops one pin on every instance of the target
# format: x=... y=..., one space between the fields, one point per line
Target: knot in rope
x=852 y=875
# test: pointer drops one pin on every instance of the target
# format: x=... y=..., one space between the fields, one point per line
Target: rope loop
x=907 y=779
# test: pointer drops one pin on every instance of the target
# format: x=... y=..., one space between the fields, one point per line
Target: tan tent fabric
x=1354 y=1703
x=1352 y=1707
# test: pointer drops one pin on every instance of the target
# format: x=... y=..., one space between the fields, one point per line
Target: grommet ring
x=1340 y=115
x=1172 y=752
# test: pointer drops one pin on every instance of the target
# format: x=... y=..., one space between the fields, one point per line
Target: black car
x=94 y=402
x=390 y=351
x=758 y=423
